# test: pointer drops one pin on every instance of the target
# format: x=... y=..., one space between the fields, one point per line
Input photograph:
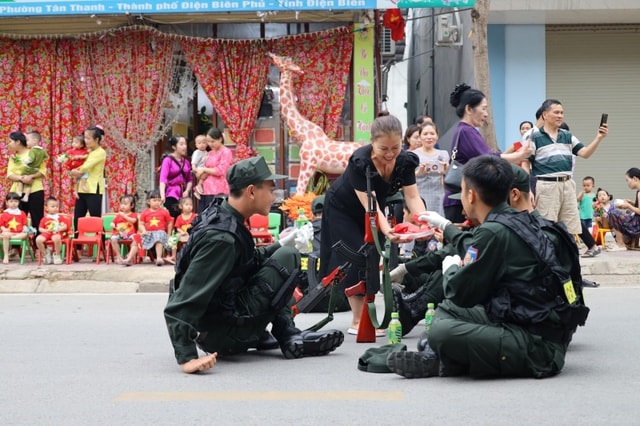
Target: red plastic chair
x=259 y=228
x=90 y=231
x=66 y=239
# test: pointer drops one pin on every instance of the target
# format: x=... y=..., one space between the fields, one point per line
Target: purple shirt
x=175 y=174
x=470 y=145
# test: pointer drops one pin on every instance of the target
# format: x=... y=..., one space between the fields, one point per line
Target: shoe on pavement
x=57 y=260
x=616 y=247
x=48 y=260
x=317 y=343
x=413 y=365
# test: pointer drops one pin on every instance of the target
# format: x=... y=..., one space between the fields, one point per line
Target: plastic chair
x=259 y=228
x=602 y=232
x=89 y=232
x=24 y=245
x=275 y=220
x=66 y=239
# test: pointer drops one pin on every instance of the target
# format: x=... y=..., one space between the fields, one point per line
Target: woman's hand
x=76 y=173
x=26 y=179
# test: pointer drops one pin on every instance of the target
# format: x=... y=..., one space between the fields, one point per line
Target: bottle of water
x=428 y=316
x=394 y=332
x=302 y=218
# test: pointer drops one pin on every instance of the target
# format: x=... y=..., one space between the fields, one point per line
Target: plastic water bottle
x=428 y=316
x=394 y=332
x=302 y=218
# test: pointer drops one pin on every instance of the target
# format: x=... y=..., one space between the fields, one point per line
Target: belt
x=555 y=179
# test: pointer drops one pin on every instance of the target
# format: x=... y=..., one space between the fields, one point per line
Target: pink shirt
x=220 y=161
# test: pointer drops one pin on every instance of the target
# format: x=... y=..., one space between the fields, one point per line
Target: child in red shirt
x=182 y=225
x=74 y=158
x=52 y=228
x=155 y=226
x=125 y=227
x=12 y=223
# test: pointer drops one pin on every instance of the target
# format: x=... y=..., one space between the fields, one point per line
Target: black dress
x=343 y=217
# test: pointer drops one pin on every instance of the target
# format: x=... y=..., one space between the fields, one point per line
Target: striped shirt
x=553 y=158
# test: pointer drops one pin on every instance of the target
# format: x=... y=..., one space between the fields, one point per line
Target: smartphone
x=603 y=119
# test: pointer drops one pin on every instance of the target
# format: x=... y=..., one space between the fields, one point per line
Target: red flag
x=393 y=20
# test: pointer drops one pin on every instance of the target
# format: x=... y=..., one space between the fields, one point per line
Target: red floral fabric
x=325 y=58
x=121 y=80
x=233 y=74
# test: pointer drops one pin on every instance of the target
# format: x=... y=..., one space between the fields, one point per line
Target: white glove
x=289 y=238
x=449 y=261
x=434 y=219
x=398 y=273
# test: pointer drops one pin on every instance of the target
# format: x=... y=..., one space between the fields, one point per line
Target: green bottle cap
x=395 y=315
x=430 y=305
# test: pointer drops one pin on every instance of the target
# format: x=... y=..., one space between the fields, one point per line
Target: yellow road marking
x=263 y=396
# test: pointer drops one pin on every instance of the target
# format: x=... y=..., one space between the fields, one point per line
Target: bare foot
x=25 y=198
x=5 y=261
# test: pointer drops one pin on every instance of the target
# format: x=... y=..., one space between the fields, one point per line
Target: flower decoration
x=291 y=205
x=598 y=209
x=62 y=158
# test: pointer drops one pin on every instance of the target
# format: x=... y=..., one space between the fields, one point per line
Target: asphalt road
x=107 y=360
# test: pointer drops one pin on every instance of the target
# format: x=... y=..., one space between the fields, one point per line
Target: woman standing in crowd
x=35 y=206
x=625 y=218
x=411 y=139
x=176 y=180
x=471 y=106
x=433 y=165
x=90 y=197
x=346 y=202
x=215 y=168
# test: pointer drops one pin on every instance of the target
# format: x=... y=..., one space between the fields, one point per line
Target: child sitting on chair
x=125 y=226
x=13 y=222
x=51 y=229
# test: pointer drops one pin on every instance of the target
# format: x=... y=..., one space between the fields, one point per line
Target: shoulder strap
x=454 y=149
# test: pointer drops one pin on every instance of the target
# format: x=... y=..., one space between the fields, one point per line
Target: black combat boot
x=411 y=307
x=318 y=343
x=296 y=344
x=288 y=336
x=414 y=365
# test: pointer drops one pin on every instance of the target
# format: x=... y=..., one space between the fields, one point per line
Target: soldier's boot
x=410 y=307
x=414 y=365
x=288 y=336
x=296 y=344
x=267 y=342
x=318 y=343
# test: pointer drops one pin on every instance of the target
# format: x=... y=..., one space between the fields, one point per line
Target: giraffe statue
x=317 y=150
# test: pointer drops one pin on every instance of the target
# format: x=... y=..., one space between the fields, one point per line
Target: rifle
x=318 y=290
x=371 y=284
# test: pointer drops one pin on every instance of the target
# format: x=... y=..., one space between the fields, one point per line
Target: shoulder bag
x=453 y=178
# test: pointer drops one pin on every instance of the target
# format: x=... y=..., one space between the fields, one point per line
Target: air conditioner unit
x=387 y=46
x=448 y=34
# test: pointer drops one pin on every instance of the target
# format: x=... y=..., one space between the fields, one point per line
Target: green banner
x=363 y=82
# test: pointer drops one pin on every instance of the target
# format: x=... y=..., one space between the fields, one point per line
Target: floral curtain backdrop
x=325 y=59
x=233 y=74
x=122 y=80
x=126 y=84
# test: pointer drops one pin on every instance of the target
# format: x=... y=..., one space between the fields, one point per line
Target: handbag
x=453 y=178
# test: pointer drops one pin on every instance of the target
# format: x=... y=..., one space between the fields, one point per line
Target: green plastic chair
x=25 y=246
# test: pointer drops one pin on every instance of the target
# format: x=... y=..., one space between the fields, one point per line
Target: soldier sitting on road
x=226 y=291
x=510 y=308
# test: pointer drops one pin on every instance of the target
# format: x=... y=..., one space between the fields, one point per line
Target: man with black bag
x=226 y=291
x=510 y=307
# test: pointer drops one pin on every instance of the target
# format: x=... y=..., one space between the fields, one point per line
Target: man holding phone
x=552 y=164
